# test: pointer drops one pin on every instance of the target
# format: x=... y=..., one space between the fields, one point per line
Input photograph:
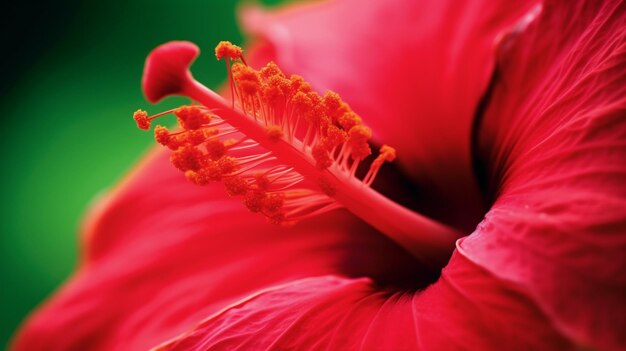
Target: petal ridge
x=553 y=141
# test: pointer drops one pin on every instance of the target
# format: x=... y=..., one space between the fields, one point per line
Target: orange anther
x=301 y=102
x=246 y=78
x=358 y=137
x=335 y=107
x=359 y=133
x=273 y=203
x=235 y=186
x=332 y=100
x=227 y=165
x=141 y=118
x=349 y=120
x=193 y=137
x=388 y=153
x=161 y=135
x=215 y=170
x=316 y=112
x=315 y=98
x=275 y=90
x=197 y=178
x=212 y=171
x=274 y=132
x=192 y=117
x=175 y=142
x=321 y=156
x=299 y=85
x=215 y=149
x=271 y=70
x=317 y=118
x=186 y=158
x=277 y=218
x=228 y=50
x=261 y=182
x=334 y=137
x=253 y=200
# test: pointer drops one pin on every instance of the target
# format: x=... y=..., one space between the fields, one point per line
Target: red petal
x=466 y=309
x=415 y=71
x=162 y=253
x=554 y=140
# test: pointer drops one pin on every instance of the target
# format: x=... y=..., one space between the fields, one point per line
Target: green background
x=68 y=94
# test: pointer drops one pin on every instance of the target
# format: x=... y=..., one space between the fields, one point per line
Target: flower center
x=287 y=151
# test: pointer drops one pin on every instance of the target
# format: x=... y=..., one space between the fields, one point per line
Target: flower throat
x=288 y=152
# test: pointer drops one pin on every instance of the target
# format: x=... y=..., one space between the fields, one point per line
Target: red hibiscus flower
x=510 y=113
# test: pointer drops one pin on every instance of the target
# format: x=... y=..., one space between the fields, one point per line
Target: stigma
x=288 y=152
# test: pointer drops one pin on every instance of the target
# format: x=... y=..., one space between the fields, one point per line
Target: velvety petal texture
x=414 y=69
x=466 y=310
x=554 y=142
x=163 y=253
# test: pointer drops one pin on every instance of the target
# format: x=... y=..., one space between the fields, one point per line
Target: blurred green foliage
x=68 y=132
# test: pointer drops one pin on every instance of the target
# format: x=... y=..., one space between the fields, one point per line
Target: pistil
x=291 y=154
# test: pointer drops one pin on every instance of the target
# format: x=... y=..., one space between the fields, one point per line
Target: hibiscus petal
x=466 y=309
x=414 y=70
x=162 y=253
x=554 y=141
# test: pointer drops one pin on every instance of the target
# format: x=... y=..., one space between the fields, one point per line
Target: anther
x=246 y=79
x=386 y=154
x=141 y=118
x=271 y=70
x=186 y=158
x=274 y=132
x=162 y=135
x=192 y=137
x=226 y=49
x=321 y=156
x=192 y=117
x=301 y=102
x=334 y=137
x=273 y=203
x=275 y=90
x=197 y=178
x=236 y=186
x=215 y=149
x=357 y=138
x=335 y=107
x=253 y=200
x=349 y=120
x=261 y=181
x=299 y=85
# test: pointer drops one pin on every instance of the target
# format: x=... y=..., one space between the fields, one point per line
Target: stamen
x=141 y=118
x=274 y=132
x=226 y=49
x=386 y=154
x=294 y=154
